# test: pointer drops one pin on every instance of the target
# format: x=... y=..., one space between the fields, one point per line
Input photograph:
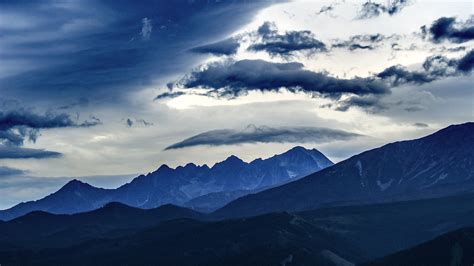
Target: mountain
x=75 y=196
x=453 y=248
x=179 y=186
x=45 y=230
x=122 y=235
x=437 y=165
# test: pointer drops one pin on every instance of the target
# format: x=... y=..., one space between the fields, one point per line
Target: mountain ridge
x=179 y=185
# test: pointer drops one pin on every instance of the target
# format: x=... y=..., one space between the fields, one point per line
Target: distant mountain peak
x=190 y=165
x=298 y=148
x=233 y=158
x=74 y=185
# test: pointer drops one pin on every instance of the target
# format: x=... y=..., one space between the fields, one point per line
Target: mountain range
x=211 y=187
x=394 y=205
x=117 y=234
x=437 y=165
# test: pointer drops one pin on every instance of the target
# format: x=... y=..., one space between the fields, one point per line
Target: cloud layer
x=64 y=51
x=7 y=152
x=264 y=134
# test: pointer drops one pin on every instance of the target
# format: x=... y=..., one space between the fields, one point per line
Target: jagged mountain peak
x=231 y=161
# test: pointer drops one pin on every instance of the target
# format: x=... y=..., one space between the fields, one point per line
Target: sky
x=106 y=90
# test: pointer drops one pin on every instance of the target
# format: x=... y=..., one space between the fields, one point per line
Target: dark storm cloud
x=285 y=44
x=7 y=152
x=226 y=47
x=62 y=51
x=434 y=68
x=8 y=171
x=264 y=134
x=232 y=78
x=371 y=9
x=447 y=28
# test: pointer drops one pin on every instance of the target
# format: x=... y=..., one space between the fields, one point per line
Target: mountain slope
x=453 y=248
x=180 y=185
x=438 y=165
x=381 y=229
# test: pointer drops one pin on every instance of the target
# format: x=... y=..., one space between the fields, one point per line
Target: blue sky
x=107 y=89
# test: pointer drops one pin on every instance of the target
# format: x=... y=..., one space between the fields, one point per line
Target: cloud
x=466 y=63
x=147 y=28
x=129 y=122
x=286 y=44
x=232 y=78
x=447 y=28
x=372 y=9
x=226 y=47
x=7 y=152
x=420 y=124
x=18 y=124
x=7 y=171
x=434 y=68
x=169 y=95
x=326 y=10
x=370 y=103
x=361 y=42
x=264 y=134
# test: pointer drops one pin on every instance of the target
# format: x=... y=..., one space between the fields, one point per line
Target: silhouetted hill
x=264 y=240
x=41 y=230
